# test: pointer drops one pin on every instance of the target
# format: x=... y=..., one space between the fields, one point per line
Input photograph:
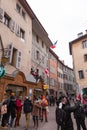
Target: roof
x=75 y=41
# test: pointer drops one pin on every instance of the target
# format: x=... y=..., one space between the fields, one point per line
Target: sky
x=62 y=20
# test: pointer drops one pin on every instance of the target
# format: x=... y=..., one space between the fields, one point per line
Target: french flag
x=54 y=45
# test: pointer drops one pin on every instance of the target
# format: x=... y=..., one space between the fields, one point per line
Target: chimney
x=80 y=34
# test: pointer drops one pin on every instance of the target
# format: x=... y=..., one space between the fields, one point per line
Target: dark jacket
x=28 y=106
x=79 y=112
x=68 y=125
x=12 y=107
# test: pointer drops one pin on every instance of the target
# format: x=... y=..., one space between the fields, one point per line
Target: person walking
x=79 y=115
x=12 y=107
x=44 y=104
x=27 y=107
x=5 y=116
x=19 y=105
x=35 y=113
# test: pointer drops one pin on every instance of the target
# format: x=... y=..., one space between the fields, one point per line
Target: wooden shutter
x=17 y=31
x=18 y=62
x=1 y=15
x=10 y=53
x=12 y=25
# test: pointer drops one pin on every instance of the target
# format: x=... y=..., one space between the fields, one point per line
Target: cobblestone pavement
x=50 y=125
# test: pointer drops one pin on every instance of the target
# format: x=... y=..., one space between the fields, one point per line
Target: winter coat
x=19 y=105
x=12 y=107
x=28 y=106
x=79 y=112
x=68 y=125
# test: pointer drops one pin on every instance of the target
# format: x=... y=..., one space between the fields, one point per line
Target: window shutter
x=10 y=53
x=12 y=25
x=17 y=30
x=18 y=62
x=1 y=15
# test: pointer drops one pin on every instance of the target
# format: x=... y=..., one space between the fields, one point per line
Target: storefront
x=18 y=84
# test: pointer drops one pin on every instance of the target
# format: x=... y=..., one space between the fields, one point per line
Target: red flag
x=54 y=45
x=47 y=72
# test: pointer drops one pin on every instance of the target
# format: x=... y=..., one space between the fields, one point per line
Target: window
x=17 y=28
x=14 y=56
x=37 y=39
x=22 y=34
x=12 y=25
x=23 y=14
x=43 y=59
x=7 y=20
x=37 y=55
x=42 y=44
x=81 y=74
x=18 y=8
x=85 y=57
x=84 y=43
x=1 y=15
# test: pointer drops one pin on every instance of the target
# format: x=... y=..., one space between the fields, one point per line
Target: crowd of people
x=12 y=108
x=65 y=108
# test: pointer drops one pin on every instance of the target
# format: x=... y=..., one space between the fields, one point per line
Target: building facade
x=18 y=24
x=53 y=77
x=78 y=50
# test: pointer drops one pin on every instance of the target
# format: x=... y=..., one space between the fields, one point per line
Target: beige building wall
x=78 y=53
x=8 y=36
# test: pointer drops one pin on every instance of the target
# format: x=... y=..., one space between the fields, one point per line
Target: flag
x=47 y=72
x=54 y=45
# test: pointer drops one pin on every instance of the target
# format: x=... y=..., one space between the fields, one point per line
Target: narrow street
x=50 y=125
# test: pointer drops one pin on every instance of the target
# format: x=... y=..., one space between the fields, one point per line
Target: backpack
x=28 y=106
x=60 y=116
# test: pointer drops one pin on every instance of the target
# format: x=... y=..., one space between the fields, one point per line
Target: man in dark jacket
x=67 y=124
x=12 y=107
x=79 y=115
x=28 y=106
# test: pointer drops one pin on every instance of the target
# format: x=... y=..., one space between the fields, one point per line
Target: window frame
x=81 y=74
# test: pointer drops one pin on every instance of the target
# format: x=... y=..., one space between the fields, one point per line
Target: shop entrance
x=17 y=90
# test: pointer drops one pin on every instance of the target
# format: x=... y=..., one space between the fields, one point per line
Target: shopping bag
x=3 y=109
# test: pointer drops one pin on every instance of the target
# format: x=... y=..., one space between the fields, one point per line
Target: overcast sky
x=62 y=20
